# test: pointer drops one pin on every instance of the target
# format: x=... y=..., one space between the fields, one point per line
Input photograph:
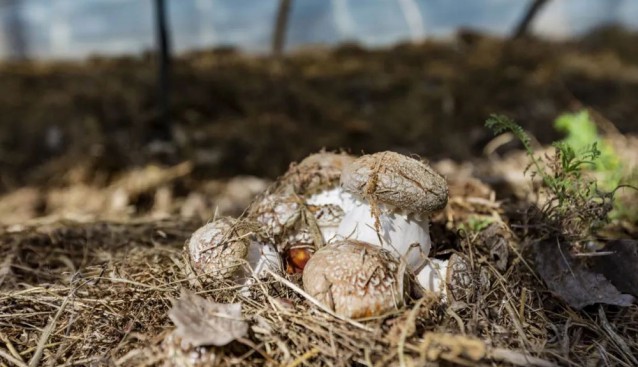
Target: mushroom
x=356 y=279
x=453 y=280
x=296 y=229
x=316 y=178
x=393 y=197
x=219 y=248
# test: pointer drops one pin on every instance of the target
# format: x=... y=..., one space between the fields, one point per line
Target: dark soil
x=235 y=114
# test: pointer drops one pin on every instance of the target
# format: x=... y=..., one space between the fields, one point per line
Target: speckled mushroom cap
x=355 y=279
x=218 y=248
x=276 y=213
x=316 y=172
x=397 y=180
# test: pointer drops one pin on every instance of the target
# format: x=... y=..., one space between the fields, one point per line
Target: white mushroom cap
x=218 y=248
x=355 y=279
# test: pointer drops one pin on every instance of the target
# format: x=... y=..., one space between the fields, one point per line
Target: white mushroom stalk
x=432 y=277
x=406 y=235
x=393 y=196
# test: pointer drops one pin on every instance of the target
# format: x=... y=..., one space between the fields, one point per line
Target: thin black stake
x=281 y=25
x=162 y=32
x=523 y=27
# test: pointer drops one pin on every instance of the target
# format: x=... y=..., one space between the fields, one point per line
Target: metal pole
x=162 y=32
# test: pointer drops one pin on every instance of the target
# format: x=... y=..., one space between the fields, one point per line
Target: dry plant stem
x=404 y=333
x=517 y=358
x=12 y=359
x=304 y=357
x=11 y=348
x=315 y=302
x=614 y=336
x=46 y=333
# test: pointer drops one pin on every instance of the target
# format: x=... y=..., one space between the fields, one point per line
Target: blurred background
x=135 y=103
x=63 y=29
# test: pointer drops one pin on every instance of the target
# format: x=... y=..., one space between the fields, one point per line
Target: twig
x=315 y=302
x=404 y=332
x=11 y=348
x=518 y=358
x=11 y=359
x=609 y=329
x=46 y=333
x=304 y=357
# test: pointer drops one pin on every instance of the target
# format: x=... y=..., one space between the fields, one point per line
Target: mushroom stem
x=404 y=234
x=433 y=276
x=262 y=257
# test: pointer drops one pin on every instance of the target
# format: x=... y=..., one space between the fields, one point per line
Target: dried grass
x=98 y=293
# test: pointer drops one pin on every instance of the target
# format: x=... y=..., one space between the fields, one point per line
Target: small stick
x=11 y=359
x=35 y=360
x=404 y=333
x=518 y=359
x=11 y=348
x=304 y=357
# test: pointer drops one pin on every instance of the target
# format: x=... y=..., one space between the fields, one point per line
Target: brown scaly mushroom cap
x=397 y=180
x=277 y=213
x=316 y=172
x=218 y=248
x=355 y=279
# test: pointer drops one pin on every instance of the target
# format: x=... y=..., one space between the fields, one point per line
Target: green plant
x=574 y=205
x=476 y=223
x=581 y=132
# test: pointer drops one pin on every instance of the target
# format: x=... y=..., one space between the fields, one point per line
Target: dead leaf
x=569 y=278
x=621 y=267
x=201 y=322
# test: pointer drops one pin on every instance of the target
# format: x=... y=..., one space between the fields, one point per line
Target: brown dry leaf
x=201 y=322
x=572 y=281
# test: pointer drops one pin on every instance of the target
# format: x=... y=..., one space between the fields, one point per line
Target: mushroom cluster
x=354 y=227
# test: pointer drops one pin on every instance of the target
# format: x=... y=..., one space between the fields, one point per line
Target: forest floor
x=94 y=212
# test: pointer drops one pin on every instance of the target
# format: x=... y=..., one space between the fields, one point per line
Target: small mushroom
x=288 y=222
x=218 y=250
x=316 y=178
x=356 y=279
x=453 y=280
x=277 y=213
x=393 y=198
